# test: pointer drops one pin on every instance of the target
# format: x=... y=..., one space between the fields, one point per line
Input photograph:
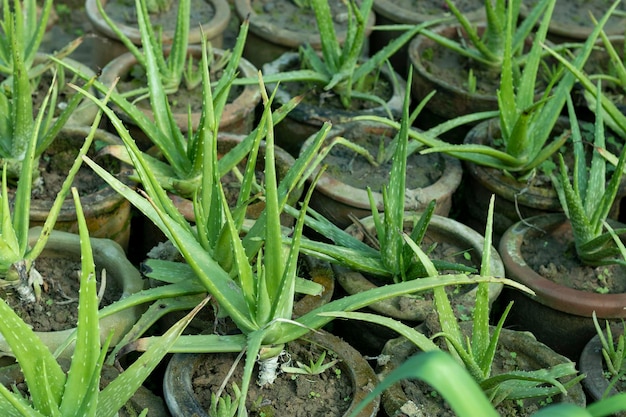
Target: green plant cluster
x=248 y=268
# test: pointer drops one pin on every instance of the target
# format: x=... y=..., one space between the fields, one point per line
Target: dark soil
x=315 y=95
x=576 y=12
x=353 y=169
x=438 y=8
x=182 y=100
x=124 y=11
x=327 y=394
x=431 y=404
x=553 y=257
x=54 y=166
x=65 y=92
x=58 y=307
x=288 y=16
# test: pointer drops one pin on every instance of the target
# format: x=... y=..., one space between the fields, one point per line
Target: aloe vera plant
x=20 y=38
x=392 y=259
x=464 y=395
x=476 y=352
x=180 y=170
x=23 y=140
x=340 y=69
x=612 y=115
x=526 y=124
x=613 y=352
x=75 y=393
x=24 y=25
x=172 y=68
x=587 y=200
x=489 y=48
x=253 y=278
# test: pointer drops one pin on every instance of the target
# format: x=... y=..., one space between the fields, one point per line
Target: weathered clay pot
x=523 y=344
x=307 y=118
x=592 y=365
x=110 y=47
x=179 y=396
x=86 y=111
x=237 y=117
x=107 y=255
x=411 y=310
x=570 y=21
x=337 y=200
x=559 y=316
x=451 y=100
x=269 y=37
x=394 y=12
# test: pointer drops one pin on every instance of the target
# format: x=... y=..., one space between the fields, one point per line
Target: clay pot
x=238 y=114
x=389 y=12
x=107 y=213
x=110 y=46
x=269 y=36
x=181 y=401
x=515 y=200
x=570 y=21
x=107 y=255
x=337 y=200
x=142 y=398
x=451 y=100
x=557 y=315
x=307 y=119
x=592 y=365
x=523 y=344
x=411 y=310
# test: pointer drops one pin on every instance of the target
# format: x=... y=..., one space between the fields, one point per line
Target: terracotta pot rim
x=399 y=14
x=303 y=111
x=353 y=281
x=559 y=297
x=574 y=31
x=238 y=108
x=505 y=186
x=400 y=349
x=591 y=364
x=420 y=42
x=178 y=374
x=266 y=29
x=358 y=197
x=212 y=28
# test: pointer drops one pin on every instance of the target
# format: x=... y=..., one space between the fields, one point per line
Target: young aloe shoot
x=314 y=367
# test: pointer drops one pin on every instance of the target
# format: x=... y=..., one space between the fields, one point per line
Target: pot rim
x=178 y=375
x=212 y=29
x=439 y=189
x=551 y=294
x=349 y=279
x=269 y=31
x=303 y=111
x=233 y=111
